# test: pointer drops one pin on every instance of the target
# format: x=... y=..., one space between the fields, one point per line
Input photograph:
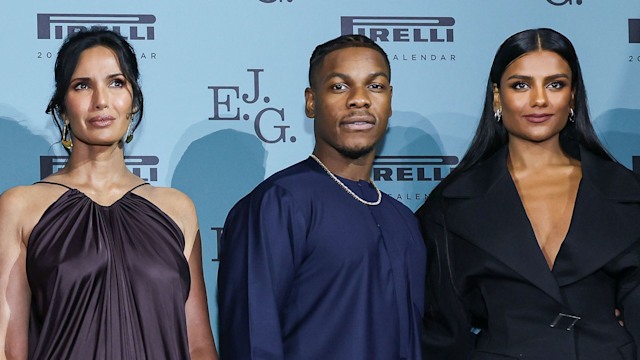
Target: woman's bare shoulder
x=166 y=196
x=22 y=207
x=30 y=196
x=173 y=202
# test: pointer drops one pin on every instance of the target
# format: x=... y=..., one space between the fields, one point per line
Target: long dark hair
x=67 y=60
x=491 y=135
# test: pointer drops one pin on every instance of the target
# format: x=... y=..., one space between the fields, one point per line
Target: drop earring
x=498 y=115
x=129 y=136
x=572 y=115
x=66 y=131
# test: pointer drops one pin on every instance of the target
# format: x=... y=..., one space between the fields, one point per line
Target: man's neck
x=345 y=167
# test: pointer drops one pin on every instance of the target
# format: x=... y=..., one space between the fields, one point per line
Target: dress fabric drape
x=107 y=282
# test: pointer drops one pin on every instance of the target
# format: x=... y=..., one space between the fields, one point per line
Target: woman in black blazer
x=534 y=239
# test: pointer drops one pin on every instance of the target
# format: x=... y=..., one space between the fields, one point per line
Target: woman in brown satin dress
x=95 y=263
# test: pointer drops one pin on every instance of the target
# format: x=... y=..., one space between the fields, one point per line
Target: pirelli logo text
x=130 y=26
x=400 y=29
x=634 y=31
x=413 y=168
x=146 y=167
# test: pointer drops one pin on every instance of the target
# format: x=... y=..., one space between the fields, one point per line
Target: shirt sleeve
x=446 y=325
x=257 y=264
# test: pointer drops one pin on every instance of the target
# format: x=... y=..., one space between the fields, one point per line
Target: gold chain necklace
x=342 y=185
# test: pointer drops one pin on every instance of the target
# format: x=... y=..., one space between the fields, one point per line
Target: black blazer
x=487 y=272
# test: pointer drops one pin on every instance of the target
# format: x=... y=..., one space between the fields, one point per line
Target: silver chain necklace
x=342 y=185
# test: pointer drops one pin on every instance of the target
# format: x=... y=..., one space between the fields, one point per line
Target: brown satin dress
x=107 y=282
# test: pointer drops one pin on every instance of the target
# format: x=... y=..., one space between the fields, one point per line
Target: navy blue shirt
x=308 y=272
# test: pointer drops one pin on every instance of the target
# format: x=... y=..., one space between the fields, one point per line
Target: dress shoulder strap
x=53 y=183
x=137 y=186
x=70 y=188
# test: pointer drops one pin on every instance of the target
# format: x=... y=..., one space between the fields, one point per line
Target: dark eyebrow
x=347 y=77
x=110 y=76
x=550 y=77
x=379 y=73
x=79 y=79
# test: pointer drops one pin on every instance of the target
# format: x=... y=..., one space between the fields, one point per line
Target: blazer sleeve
x=629 y=294
x=257 y=267
x=446 y=326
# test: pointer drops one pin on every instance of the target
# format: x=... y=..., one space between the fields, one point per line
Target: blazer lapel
x=484 y=208
x=606 y=219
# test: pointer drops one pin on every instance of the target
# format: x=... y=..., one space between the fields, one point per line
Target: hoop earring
x=498 y=115
x=67 y=143
x=572 y=115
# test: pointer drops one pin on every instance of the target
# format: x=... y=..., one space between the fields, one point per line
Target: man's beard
x=354 y=154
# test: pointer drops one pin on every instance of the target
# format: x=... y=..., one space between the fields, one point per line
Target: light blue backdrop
x=224 y=82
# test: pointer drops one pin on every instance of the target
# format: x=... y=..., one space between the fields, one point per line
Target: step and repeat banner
x=224 y=86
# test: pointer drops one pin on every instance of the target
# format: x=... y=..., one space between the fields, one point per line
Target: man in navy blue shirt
x=317 y=263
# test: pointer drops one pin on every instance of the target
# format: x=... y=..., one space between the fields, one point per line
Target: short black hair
x=339 y=43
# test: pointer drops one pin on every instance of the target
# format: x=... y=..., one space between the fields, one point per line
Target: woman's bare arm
x=181 y=209
x=15 y=295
